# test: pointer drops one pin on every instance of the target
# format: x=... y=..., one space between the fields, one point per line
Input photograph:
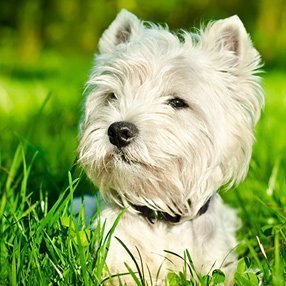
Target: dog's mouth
x=122 y=157
x=127 y=160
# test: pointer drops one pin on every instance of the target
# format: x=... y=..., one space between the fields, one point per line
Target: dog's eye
x=110 y=97
x=177 y=103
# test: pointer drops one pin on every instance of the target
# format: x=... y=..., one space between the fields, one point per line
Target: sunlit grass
x=39 y=241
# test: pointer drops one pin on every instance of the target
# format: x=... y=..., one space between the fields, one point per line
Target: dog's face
x=168 y=119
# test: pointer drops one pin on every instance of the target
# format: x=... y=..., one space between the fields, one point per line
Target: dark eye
x=110 y=96
x=177 y=103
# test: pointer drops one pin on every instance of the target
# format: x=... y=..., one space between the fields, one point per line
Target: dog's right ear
x=121 y=31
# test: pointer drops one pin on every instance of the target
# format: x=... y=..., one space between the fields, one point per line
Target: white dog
x=168 y=121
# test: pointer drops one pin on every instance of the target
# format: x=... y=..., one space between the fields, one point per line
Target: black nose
x=121 y=133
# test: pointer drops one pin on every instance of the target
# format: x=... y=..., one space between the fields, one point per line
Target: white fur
x=210 y=239
x=180 y=158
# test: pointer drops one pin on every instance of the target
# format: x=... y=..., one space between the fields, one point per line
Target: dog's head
x=169 y=118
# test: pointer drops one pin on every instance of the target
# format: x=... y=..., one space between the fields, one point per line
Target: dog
x=168 y=121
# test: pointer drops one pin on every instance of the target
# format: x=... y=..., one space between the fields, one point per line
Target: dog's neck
x=152 y=216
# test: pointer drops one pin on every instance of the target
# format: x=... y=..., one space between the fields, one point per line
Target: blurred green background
x=30 y=27
x=46 y=53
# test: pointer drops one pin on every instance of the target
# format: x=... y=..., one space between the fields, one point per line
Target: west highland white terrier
x=168 y=121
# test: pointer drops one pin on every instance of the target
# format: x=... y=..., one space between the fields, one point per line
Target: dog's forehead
x=148 y=57
x=169 y=74
x=151 y=45
x=156 y=59
x=155 y=45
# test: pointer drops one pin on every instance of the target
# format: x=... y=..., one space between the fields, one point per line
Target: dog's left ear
x=125 y=27
x=230 y=38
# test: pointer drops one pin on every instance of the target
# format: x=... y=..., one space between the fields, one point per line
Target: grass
x=42 y=244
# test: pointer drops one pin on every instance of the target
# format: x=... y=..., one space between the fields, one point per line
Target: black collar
x=153 y=215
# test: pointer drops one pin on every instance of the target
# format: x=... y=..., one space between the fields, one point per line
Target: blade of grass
x=134 y=260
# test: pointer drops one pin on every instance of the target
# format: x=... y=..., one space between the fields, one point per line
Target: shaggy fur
x=181 y=156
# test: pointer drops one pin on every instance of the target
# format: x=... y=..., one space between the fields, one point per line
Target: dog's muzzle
x=122 y=133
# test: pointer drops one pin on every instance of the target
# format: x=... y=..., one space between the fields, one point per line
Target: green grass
x=40 y=244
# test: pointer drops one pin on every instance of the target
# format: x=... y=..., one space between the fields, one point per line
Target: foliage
x=27 y=27
x=41 y=105
x=45 y=245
